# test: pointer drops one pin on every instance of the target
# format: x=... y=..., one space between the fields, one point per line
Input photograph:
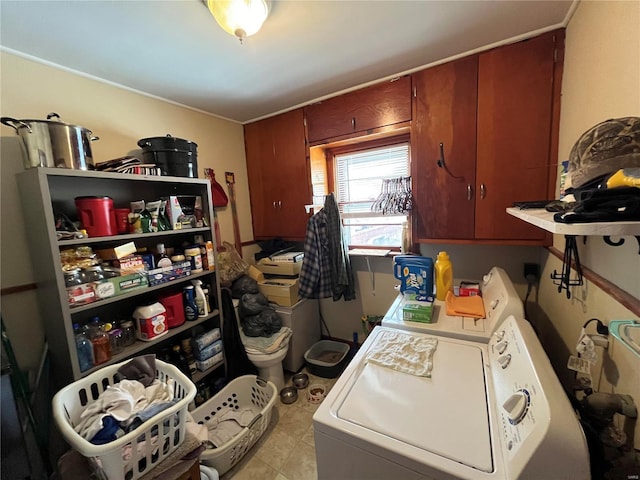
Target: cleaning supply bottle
x=200 y=298
x=444 y=275
x=190 y=307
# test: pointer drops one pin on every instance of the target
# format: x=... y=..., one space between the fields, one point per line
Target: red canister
x=97 y=216
x=175 y=309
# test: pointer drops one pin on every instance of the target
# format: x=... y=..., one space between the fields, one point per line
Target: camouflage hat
x=604 y=149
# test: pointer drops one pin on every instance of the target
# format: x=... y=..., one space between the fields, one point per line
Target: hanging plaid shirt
x=315 y=273
x=326 y=270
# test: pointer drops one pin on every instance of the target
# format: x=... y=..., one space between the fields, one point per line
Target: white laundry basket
x=246 y=392
x=134 y=454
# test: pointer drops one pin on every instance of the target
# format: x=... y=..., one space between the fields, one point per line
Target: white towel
x=404 y=353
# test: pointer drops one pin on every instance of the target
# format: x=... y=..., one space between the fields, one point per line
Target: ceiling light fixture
x=241 y=18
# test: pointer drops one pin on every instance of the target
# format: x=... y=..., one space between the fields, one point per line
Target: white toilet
x=269 y=365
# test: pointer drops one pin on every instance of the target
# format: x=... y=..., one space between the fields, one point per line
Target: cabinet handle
x=274 y=204
x=353 y=123
x=279 y=203
x=469 y=191
x=483 y=191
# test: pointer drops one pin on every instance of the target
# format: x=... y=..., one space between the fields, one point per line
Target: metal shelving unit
x=47 y=192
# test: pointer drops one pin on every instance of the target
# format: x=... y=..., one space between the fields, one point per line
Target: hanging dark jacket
x=238 y=363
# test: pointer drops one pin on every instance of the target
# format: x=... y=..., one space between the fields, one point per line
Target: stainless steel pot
x=50 y=143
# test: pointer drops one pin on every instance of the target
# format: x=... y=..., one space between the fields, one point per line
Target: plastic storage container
x=415 y=274
x=151 y=321
x=326 y=358
x=174 y=306
x=97 y=216
x=444 y=275
x=166 y=429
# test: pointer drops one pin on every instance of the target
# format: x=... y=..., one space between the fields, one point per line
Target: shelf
x=140 y=346
x=139 y=291
x=196 y=377
x=131 y=236
x=543 y=219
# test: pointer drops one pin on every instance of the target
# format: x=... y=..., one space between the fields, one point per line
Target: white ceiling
x=306 y=50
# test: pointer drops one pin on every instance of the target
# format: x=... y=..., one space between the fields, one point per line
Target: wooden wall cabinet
x=279 y=176
x=445 y=106
x=363 y=110
x=498 y=150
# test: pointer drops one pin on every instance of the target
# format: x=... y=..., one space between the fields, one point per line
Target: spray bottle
x=201 y=299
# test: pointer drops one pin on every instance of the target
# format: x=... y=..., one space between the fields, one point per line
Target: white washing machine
x=490 y=410
x=500 y=300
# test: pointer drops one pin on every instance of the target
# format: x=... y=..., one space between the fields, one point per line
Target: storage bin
x=326 y=358
x=134 y=454
x=246 y=392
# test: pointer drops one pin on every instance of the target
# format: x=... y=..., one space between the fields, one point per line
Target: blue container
x=415 y=274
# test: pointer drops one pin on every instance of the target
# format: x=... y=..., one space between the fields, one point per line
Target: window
x=359 y=179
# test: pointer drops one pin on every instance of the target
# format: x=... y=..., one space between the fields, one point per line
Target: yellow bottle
x=444 y=275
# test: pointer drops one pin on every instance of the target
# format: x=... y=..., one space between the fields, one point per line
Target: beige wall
x=601 y=81
x=120 y=118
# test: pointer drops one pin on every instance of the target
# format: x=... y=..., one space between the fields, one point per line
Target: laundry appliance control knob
x=516 y=406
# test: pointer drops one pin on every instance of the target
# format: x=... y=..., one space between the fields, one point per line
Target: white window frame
x=398 y=220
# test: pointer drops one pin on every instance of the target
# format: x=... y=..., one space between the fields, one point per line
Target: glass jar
x=73 y=277
x=94 y=274
x=116 y=338
x=128 y=332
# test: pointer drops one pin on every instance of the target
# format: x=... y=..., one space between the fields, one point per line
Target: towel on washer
x=464 y=306
x=404 y=353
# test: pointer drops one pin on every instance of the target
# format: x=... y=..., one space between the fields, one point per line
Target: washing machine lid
x=406 y=409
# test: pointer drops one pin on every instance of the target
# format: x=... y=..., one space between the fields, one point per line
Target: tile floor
x=286 y=451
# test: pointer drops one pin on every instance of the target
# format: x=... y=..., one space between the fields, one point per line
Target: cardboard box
x=468 y=289
x=167 y=274
x=129 y=264
x=118 y=252
x=287 y=269
x=283 y=291
x=112 y=287
x=177 y=219
x=417 y=309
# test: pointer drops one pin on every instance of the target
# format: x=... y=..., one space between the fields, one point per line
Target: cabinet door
x=372 y=107
x=279 y=176
x=445 y=113
x=290 y=175
x=259 y=153
x=515 y=107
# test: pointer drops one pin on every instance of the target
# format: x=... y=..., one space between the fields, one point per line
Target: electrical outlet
x=532 y=270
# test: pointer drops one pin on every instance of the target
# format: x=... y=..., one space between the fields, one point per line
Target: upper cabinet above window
x=361 y=111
